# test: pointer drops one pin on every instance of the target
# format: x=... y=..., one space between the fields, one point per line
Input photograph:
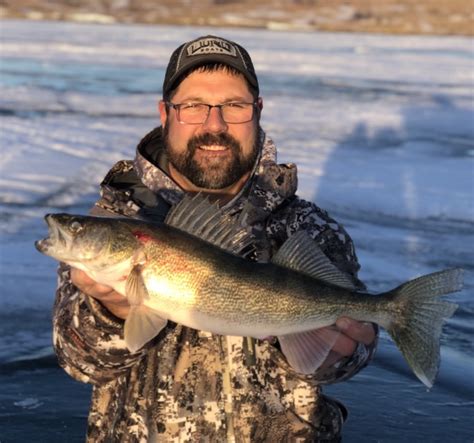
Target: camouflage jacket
x=193 y=386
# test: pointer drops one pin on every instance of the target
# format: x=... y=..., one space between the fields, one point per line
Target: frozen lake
x=382 y=131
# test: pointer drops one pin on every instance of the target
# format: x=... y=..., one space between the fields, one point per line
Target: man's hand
x=112 y=300
x=352 y=333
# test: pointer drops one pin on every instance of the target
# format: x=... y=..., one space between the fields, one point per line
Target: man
x=187 y=385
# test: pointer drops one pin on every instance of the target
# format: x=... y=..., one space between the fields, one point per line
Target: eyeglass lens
x=197 y=113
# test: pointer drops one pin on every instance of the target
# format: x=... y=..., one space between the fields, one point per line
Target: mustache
x=208 y=139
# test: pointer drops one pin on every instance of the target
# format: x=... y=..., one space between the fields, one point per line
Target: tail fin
x=417 y=331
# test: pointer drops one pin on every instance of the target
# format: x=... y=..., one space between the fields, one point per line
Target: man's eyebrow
x=192 y=99
x=236 y=98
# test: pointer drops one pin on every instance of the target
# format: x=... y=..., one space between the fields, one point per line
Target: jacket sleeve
x=87 y=338
x=335 y=242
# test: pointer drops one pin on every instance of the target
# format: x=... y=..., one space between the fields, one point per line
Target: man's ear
x=259 y=106
x=162 y=109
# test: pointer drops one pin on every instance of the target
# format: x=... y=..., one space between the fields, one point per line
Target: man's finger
x=78 y=276
x=361 y=332
x=344 y=346
x=87 y=285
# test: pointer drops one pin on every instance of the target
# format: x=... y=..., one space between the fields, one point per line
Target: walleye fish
x=190 y=270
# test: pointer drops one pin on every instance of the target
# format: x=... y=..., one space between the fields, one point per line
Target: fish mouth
x=56 y=238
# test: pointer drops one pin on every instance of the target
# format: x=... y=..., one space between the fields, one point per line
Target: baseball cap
x=204 y=50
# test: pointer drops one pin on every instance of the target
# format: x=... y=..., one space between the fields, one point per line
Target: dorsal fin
x=302 y=254
x=196 y=215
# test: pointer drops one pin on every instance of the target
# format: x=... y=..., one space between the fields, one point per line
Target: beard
x=213 y=173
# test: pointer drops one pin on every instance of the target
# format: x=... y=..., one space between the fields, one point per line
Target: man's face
x=215 y=154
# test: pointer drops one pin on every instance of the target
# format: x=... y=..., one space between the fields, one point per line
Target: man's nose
x=214 y=121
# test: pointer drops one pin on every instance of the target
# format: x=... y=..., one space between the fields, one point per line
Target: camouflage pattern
x=193 y=386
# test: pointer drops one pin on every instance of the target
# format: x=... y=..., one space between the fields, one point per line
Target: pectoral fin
x=306 y=351
x=141 y=326
x=142 y=323
x=135 y=288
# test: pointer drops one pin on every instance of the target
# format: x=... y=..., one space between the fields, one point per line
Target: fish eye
x=75 y=226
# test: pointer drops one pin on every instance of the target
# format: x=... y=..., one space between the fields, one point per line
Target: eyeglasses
x=197 y=113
